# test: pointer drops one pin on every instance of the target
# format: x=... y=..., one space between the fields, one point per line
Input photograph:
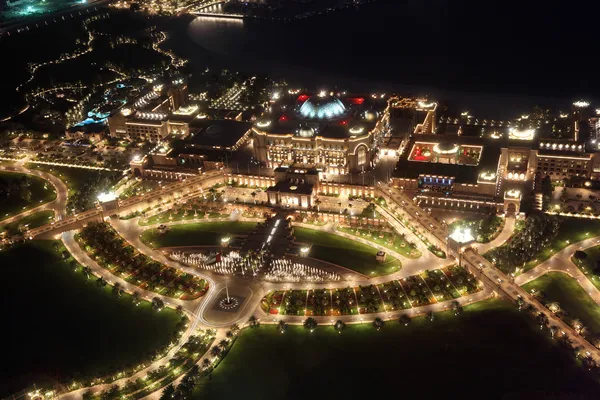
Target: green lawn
x=573 y=300
x=41 y=192
x=588 y=264
x=32 y=221
x=168 y=216
x=571 y=230
x=345 y=252
x=60 y=326
x=390 y=240
x=490 y=351
x=198 y=234
x=74 y=178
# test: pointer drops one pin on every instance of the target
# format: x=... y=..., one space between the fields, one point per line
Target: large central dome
x=322 y=108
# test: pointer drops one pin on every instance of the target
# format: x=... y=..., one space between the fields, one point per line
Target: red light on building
x=302 y=98
x=344 y=122
x=356 y=100
x=283 y=118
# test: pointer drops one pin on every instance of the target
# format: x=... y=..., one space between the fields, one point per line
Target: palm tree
x=215 y=351
x=253 y=194
x=554 y=307
x=179 y=310
x=456 y=307
x=235 y=329
x=206 y=364
x=281 y=326
x=117 y=290
x=229 y=335
x=404 y=319
x=310 y=324
x=542 y=320
x=253 y=322
x=339 y=326
x=157 y=304
x=431 y=316
x=318 y=203
x=223 y=344
x=87 y=271
x=378 y=323
x=136 y=298
x=578 y=325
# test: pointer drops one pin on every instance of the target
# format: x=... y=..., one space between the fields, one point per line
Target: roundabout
x=424 y=283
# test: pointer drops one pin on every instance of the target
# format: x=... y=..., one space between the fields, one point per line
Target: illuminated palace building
x=332 y=132
x=485 y=165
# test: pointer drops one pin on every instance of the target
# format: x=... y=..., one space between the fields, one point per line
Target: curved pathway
x=503 y=236
x=57 y=205
x=561 y=262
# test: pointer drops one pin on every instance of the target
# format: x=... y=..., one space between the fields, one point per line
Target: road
x=57 y=205
x=496 y=282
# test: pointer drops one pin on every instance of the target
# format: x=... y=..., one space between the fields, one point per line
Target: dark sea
x=492 y=57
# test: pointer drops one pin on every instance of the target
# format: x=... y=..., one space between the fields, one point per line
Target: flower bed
x=294 y=302
x=389 y=296
x=110 y=251
x=441 y=287
x=369 y=300
x=417 y=291
x=393 y=296
x=462 y=280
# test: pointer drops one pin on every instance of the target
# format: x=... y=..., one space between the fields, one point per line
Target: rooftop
x=216 y=133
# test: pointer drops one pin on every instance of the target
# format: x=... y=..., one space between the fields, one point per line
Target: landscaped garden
x=63 y=320
x=112 y=252
x=571 y=230
x=484 y=229
x=589 y=263
x=29 y=222
x=447 y=284
x=386 y=238
x=345 y=252
x=537 y=240
x=84 y=184
x=569 y=301
x=20 y=192
x=489 y=350
x=196 y=234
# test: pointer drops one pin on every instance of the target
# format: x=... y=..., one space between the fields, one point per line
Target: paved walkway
x=57 y=205
x=503 y=236
x=561 y=262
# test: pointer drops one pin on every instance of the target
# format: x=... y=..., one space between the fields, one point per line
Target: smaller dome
x=445 y=148
x=306 y=131
x=371 y=115
x=263 y=122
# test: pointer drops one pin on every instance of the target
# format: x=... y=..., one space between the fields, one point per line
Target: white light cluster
x=263 y=123
x=581 y=104
x=106 y=197
x=355 y=130
x=521 y=134
x=187 y=110
x=512 y=194
x=150 y=115
x=437 y=149
x=561 y=146
x=487 y=176
x=462 y=235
